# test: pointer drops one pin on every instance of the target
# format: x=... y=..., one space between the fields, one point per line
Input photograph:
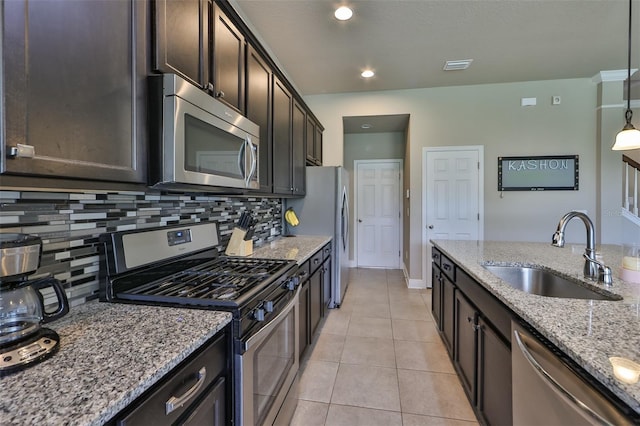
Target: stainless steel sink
x=544 y=282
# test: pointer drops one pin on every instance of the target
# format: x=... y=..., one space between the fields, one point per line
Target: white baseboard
x=411 y=283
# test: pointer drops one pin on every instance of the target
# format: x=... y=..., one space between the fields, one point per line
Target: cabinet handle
x=21 y=151
x=315 y=261
x=446 y=267
x=220 y=94
x=176 y=402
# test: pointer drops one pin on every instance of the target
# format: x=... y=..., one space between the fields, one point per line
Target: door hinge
x=478 y=216
x=478 y=165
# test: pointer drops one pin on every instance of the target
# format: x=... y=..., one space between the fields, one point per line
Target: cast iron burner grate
x=222 y=279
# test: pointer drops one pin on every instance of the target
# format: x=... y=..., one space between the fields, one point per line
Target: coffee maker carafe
x=23 y=342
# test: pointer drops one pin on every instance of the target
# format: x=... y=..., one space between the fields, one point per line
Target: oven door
x=269 y=367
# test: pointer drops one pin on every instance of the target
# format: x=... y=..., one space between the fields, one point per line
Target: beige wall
x=488 y=115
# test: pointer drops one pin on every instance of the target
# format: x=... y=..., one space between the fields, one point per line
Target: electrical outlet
x=556 y=100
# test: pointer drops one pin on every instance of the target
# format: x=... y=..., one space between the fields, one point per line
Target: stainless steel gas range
x=180 y=266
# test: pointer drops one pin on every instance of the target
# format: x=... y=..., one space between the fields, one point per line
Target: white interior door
x=453 y=194
x=378 y=213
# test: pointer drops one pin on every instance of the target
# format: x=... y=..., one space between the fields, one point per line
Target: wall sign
x=543 y=173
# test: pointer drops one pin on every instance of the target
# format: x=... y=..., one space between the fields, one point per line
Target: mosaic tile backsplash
x=70 y=223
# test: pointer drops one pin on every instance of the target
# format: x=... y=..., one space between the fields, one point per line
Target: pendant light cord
x=628 y=114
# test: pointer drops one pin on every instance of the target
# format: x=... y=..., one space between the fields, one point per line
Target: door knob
x=430 y=227
x=360 y=220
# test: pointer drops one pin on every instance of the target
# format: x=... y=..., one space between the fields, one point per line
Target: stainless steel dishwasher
x=547 y=391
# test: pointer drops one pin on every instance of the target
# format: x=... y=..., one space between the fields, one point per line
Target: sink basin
x=544 y=282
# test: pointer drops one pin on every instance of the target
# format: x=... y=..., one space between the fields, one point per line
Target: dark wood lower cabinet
x=303 y=309
x=315 y=300
x=466 y=344
x=494 y=381
x=448 y=299
x=471 y=325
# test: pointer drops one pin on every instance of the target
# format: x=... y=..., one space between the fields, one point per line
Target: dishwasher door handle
x=567 y=396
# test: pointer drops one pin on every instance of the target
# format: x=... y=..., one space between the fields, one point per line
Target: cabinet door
x=447 y=314
x=311 y=136
x=303 y=302
x=317 y=145
x=212 y=409
x=494 y=378
x=326 y=286
x=258 y=110
x=299 y=137
x=281 y=131
x=228 y=61
x=466 y=345
x=181 y=39
x=315 y=301
x=74 y=77
x=436 y=296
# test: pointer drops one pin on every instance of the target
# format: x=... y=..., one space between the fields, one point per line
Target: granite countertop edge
x=588 y=331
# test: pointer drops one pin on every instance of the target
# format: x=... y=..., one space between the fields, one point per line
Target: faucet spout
x=591 y=265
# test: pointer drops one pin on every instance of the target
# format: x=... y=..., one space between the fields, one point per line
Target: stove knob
x=291 y=284
x=258 y=314
x=268 y=306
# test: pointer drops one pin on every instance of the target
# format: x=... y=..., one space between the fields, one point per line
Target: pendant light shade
x=629 y=137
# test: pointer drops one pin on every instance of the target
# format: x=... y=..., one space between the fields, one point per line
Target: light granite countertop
x=109 y=355
x=298 y=248
x=589 y=331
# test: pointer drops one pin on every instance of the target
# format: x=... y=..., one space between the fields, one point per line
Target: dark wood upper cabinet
x=258 y=110
x=74 y=89
x=181 y=39
x=314 y=142
x=281 y=134
x=298 y=149
x=227 y=61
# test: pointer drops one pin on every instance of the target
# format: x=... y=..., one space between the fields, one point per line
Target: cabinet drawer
x=326 y=251
x=315 y=261
x=448 y=267
x=492 y=309
x=181 y=388
x=436 y=256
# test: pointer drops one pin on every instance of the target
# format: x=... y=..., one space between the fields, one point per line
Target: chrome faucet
x=593 y=268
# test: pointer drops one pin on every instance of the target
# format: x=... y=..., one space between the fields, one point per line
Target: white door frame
x=426 y=258
x=356 y=163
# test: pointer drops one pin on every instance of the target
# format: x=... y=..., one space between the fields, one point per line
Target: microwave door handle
x=254 y=162
x=241 y=158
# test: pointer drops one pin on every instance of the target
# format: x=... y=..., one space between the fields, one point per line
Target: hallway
x=379 y=360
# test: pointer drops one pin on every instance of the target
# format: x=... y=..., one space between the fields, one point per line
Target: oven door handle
x=176 y=402
x=257 y=338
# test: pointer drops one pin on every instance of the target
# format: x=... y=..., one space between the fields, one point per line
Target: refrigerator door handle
x=345 y=218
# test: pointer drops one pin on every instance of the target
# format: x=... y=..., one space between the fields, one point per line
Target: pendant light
x=629 y=137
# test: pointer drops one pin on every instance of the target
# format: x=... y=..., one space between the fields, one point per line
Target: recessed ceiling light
x=366 y=126
x=367 y=73
x=343 y=13
x=462 y=64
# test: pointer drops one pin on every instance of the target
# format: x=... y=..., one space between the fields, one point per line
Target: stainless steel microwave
x=197 y=140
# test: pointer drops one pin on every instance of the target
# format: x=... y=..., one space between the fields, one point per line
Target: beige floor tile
x=372 y=310
x=397 y=284
x=317 y=380
x=342 y=415
x=369 y=351
x=426 y=356
x=433 y=394
x=405 y=295
x=370 y=327
x=367 y=386
x=410 y=311
x=421 y=331
x=337 y=322
x=416 y=420
x=328 y=347
x=363 y=296
x=309 y=413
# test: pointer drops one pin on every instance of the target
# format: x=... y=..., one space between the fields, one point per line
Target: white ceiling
x=408 y=41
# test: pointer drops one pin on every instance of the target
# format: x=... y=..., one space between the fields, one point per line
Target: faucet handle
x=604 y=272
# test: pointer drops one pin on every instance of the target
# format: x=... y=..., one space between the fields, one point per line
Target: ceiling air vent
x=462 y=64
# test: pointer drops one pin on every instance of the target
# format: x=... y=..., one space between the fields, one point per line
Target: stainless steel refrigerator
x=325 y=211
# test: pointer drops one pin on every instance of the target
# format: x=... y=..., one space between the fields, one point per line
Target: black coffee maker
x=23 y=342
